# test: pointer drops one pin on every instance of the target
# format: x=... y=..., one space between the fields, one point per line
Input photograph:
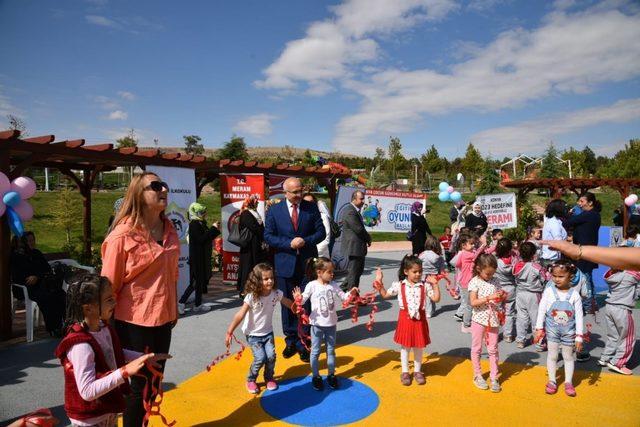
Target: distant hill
x=265 y=152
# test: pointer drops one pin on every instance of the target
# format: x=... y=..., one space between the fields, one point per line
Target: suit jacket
x=354 y=235
x=279 y=232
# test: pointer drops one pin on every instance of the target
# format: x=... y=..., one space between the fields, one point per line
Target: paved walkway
x=30 y=377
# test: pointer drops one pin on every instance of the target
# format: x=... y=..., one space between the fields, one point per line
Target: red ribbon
x=40 y=417
x=227 y=353
x=356 y=300
x=450 y=287
x=303 y=320
x=152 y=404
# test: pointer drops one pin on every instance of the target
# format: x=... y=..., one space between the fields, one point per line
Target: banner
x=234 y=190
x=276 y=191
x=500 y=210
x=182 y=192
x=383 y=210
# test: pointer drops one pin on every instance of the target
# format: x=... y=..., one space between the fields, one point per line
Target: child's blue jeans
x=264 y=354
x=318 y=335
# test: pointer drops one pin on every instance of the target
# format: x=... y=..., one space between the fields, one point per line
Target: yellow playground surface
x=219 y=398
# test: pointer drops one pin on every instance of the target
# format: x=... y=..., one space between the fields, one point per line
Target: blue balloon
x=456 y=196
x=443 y=186
x=15 y=223
x=12 y=198
x=444 y=196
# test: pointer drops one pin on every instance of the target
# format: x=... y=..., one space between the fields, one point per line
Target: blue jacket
x=279 y=232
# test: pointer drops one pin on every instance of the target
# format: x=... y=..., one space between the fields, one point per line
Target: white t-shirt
x=325 y=300
x=413 y=295
x=259 y=320
x=484 y=314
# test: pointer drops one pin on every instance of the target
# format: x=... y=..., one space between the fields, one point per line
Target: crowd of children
x=502 y=289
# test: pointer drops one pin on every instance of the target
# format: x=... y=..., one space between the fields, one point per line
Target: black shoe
x=332 y=380
x=289 y=351
x=304 y=356
x=582 y=356
x=457 y=317
x=317 y=383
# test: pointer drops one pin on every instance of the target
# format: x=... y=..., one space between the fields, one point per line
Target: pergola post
x=5 y=274
x=332 y=193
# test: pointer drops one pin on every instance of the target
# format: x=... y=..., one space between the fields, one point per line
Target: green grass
x=51 y=238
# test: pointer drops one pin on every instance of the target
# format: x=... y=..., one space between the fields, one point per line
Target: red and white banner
x=234 y=190
x=276 y=191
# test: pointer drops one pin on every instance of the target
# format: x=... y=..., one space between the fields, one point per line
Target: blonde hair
x=133 y=204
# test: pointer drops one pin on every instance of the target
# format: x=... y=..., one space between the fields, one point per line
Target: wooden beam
x=44 y=139
x=26 y=163
x=74 y=143
x=9 y=134
x=5 y=253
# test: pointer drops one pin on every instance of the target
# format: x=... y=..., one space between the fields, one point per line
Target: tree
x=396 y=159
x=379 y=157
x=626 y=162
x=589 y=162
x=490 y=183
x=66 y=211
x=307 y=158
x=192 y=144
x=550 y=166
x=431 y=161
x=577 y=161
x=473 y=163
x=128 y=141
x=16 y=123
x=234 y=149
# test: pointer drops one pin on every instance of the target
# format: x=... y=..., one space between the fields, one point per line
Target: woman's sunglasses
x=157 y=186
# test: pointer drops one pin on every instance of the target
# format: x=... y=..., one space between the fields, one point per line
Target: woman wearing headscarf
x=255 y=251
x=200 y=247
x=419 y=228
x=476 y=220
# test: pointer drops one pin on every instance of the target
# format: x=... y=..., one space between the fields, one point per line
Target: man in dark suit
x=355 y=240
x=293 y=228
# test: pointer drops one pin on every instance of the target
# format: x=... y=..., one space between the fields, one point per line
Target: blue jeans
x=264 y=354
x=318 y=335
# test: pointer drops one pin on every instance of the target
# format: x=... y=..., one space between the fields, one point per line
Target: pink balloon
x=3 y=208
x=24 y=186
x=634 y=197
x=628 y=201
x=5 y=184
x=450 y=189
x=24 y=210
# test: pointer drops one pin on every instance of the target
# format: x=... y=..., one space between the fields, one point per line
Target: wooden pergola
x=579 y=186
x=18 y=154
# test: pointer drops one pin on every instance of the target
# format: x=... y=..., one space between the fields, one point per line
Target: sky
x=508 y=76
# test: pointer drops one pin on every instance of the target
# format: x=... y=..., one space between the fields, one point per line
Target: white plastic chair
x=31 y=312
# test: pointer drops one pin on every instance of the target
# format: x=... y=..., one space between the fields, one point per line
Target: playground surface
x=368 y=364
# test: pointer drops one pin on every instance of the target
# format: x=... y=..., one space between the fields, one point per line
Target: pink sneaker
x=252 y=387
x=465 y=330
x=621 y=370
x=569 y=390
x=272 y=385
x=551 y=388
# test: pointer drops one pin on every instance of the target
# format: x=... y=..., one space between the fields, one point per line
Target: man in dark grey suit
x=355 y=240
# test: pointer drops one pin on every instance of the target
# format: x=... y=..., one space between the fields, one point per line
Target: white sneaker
x=180 y=308
x=201 y=309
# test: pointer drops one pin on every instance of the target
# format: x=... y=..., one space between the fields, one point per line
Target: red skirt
x=411 y=332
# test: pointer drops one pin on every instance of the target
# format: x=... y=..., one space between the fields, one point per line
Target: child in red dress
x=412 y=331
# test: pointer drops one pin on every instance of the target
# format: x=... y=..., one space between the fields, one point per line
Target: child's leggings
x=417 y=358
x=553 y=348
x=478 y=332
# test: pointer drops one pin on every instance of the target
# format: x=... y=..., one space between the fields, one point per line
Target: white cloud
x=106 y=103
x=258 y=125
x=102 y=21
x=531 y=136
x=331 y=47
x=569 y=54
x=6 y=107
x=126 y=95
x=118 y=115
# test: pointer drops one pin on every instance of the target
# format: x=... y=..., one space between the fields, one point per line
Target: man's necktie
x=294 y=216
